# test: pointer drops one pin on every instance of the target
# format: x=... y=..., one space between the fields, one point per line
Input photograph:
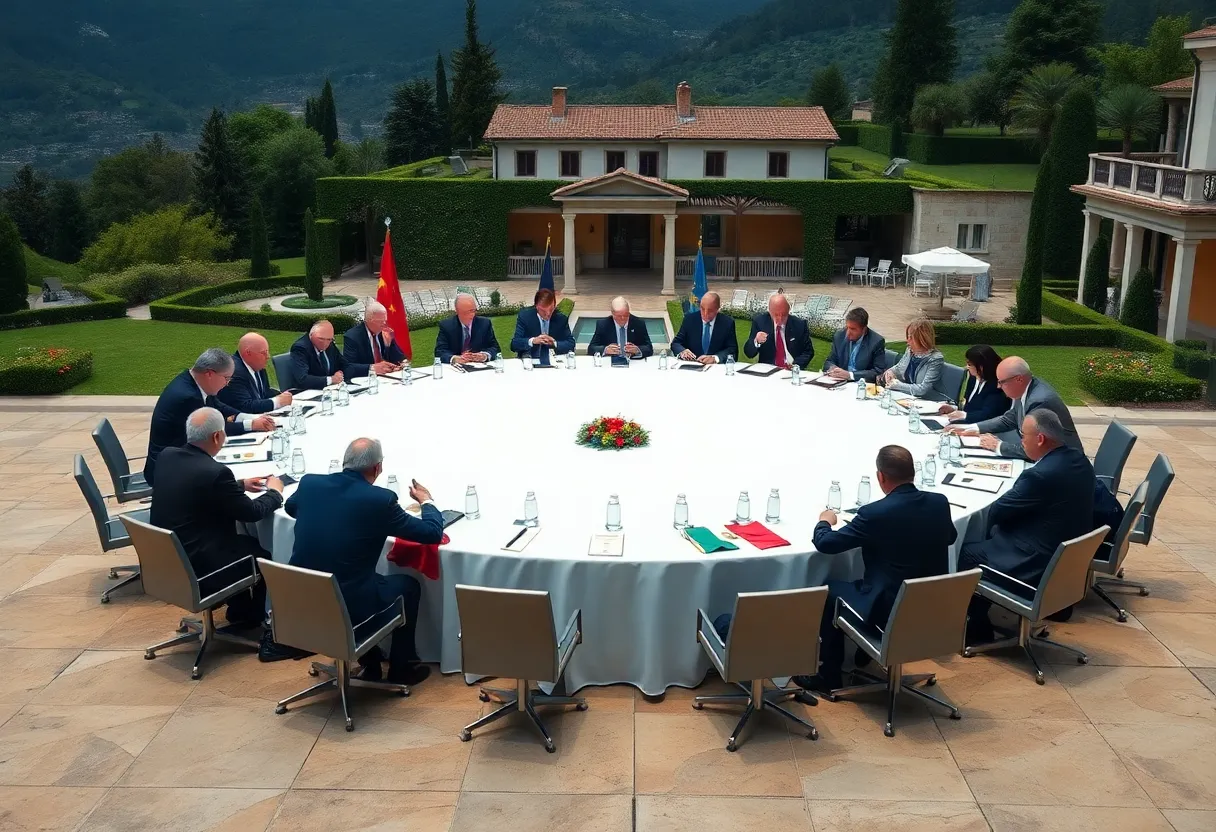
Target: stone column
x=1132 y=252
x=1117 y=239
x=1171 y=130
x=1180 y=289
x=569 y=257
x=1092 y=227
x=669 y=254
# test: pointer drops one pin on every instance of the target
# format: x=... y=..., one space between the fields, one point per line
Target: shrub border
x=102 y=306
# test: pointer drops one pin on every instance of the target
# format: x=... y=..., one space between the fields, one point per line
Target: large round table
x=711 y=436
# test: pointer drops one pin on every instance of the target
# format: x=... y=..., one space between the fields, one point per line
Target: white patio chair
x=881 y=274
x=834 y=314
x=969 y=312
x=860 y=270
x=925 y=284
x=959 y=285
x=482 y=295
x=431 y=305
x=740 y=299
x=815 y=307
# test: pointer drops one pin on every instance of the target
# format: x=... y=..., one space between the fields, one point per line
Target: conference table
x=712 y=435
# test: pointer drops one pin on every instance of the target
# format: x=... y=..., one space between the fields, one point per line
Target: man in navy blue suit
x=466 y=336
x=190 y=390
x=372 y=343
x=317 y=362
x=621 y=334
x=857 y=351
x=907 y=534
x=1050 y=503
x=779 y=338
x=249 y=391
x=707 y=337
x=342 y=523
x=542 y=328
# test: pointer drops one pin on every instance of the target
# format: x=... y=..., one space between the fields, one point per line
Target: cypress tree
x=443 y=108
x=259 y=243
x=219 y=178
x=921 y=49
x=314 y=283
x=1074 y=134
x=1097 y=275
x=411 y=124
x=28 y=205
x=475 y=93
x=1030 y=287
x=1140 y=306
x=898 y=146
x=12 y=267
x=310 y=114
x=69 y=222
x=327 y=119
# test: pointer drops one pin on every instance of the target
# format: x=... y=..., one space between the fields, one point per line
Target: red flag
x=388 y=292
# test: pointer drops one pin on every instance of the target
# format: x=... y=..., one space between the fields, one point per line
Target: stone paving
x=92 y=737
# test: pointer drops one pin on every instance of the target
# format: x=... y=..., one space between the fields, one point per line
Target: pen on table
x=958 y=505
x=511 y=542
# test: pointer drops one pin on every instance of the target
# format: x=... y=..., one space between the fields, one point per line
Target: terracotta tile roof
x=1209 y=32
x=1179 y=85
x=660 y=123
x=622 y=173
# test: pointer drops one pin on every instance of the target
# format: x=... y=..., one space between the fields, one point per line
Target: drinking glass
x=681 y=513
x=613 y=521
x=743 y=509
x=531 y=512
x=772 y=513
x=863 y=492
x=834 y=496
x=297 y=463
x=472 y=506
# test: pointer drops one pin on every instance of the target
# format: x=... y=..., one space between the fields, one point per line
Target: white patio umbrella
x=944 y=261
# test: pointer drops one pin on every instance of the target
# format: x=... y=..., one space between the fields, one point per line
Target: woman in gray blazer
x=920 y=367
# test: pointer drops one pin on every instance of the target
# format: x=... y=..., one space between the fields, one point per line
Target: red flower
x=619 y=441
x=637 y=440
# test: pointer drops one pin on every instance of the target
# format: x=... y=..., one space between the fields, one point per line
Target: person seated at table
x=1049 y=503
x=857 y=351
x=1027 y=394
x=621 y=334
x=201 y=501
x=541 y=328
x=317 y=362
x=708 y=337
x=779 y=338
x=351 y=548
x=188 y=391
x=920 y=367
x=249 y=389
x=466 y=336
x=371 y=343
x=981 y=398
x=906 y=534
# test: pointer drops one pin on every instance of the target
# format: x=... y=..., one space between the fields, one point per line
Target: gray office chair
x=1160 y=476
x=892 y=358
x=110 y=532
x=169 y=576
x=950 y=384
x=1062 y=585
x=928 y=619
x=510 y=633
x=128 y=486
x=1109 y=559
x=772 y=634
x=1115 y=448
x=284 y=371
x=310 y=614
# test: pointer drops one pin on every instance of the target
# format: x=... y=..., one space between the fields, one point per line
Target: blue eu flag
x=546 y=272
x=699 y=284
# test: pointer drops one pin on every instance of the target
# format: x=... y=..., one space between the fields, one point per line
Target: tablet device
x=450 y=516
x=620 y=361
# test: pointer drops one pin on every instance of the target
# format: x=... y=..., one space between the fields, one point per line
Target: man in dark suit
x=342 y=522
x=372 y=343
x=249 y=391
x=466 y=336
x=857 y=351
x=317 y=362
x=621 y=334
x=200 y=500
x=541 y=328
x=1048 y=504
x=708 y=337
x=190 y=390
x=907 y=534
x=779 y=338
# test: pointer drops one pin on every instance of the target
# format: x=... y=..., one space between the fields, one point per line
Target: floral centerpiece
x=612 y=433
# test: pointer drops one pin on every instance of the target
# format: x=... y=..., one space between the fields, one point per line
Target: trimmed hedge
x=40 y=371
x=147 y=282
x=1195 y=363
x=102 y=306
x=959 y=150
x=1192 y=344
x=1135 y=377
x=329 y=235
x=1012 y=335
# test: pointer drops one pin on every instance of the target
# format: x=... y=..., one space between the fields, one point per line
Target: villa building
x=1164 y=204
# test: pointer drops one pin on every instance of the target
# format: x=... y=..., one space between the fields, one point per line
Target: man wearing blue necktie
x=621 y=334
x=541 y=328
x=709 y=337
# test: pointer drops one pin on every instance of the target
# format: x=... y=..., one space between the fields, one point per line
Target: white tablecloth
x=711 y=437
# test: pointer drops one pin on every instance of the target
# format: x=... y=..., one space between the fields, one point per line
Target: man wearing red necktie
x=779 y=338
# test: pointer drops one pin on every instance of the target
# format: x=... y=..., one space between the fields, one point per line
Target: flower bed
x=44 y=370
x=1121 y=376
x=612 y=433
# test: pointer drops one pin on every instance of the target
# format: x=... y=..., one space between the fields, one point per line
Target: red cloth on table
x=424 y=557
x=758 y=535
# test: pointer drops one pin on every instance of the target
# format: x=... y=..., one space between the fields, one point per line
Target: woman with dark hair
x=981 y=398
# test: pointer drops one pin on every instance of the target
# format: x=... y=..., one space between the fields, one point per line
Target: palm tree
x=1037 y=102
x=1132 y=110
x=938 y=106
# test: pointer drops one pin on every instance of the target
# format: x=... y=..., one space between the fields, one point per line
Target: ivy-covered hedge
x=959 y=150
x=1135 y=377
x=329 y=233
x=101 y=306
x=39 y=371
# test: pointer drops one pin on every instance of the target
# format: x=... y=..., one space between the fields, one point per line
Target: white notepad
x=522 y=542
x=607 y=545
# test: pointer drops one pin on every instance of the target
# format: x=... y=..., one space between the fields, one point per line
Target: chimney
x=684 y=100
x=559 y=102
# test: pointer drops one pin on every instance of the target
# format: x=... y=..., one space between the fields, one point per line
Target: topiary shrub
x=1075 y=131
x=1140 y=306
x=40 y=371
x=259 y=243
x=1097 y=275
x=1192 y=344
x=313 y=279
x=1029 y=304
x=898 y=147
x=1135 y=377
x=12 y=268
x=1195 y=363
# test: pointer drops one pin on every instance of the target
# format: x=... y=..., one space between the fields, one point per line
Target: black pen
x=958 y=505
x=511 y=542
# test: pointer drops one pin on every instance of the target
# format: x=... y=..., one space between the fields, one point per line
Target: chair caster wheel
x=280 y=709
x=831 y=697
x=1121 y=617
x=888 y=731
x=113 y=575
x=404 y=692
x=731 y=746
x=149 y=655
x=195 y=674
x=1082 y=659
x=581 y=706
x=955 y=715
x=312 y=671
x=105 y=599
x=1144 y=592
x=967 y=654
x=465 y=736
x=931 y=681
x=698 y=706
x=483 y=697
x=549 y=746
x=350 y=725
x=814 y=734
x=1038 y=678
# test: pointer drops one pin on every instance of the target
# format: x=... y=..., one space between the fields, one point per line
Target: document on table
x=608 y=545
x=519 y=541
x=758 y=369
x=922 y=406
x=828 y=381
x=975 y=482
x=695 y=366
x=307 y=395
x=993 y=468
x=241 y=455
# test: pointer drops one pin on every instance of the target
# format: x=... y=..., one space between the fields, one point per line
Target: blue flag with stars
x=699 y=284
x=546 y=272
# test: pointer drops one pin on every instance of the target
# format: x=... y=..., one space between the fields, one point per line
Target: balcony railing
x=1145 y=176
x=518 y=266
x=750 y=268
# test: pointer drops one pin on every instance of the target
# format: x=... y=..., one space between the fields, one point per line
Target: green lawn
x=997 y=177
x=37 y=268
x=290 y=265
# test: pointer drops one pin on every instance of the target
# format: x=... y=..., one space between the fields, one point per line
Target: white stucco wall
x=548 y=157
x=677 y=160
x=1203 y=134
x=936 y=216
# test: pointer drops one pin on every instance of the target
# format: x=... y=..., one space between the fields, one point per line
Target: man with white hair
x=621 y=334
x=466 y=336
x=201 y=501
x=317 y=362
x=250 y=390
x=188 y=391
x=372 y=343
x=779 y=338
